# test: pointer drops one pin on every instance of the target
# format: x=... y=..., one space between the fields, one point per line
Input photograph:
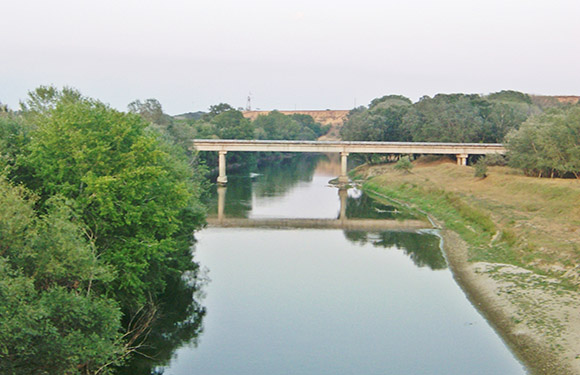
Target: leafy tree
x=510 y=96
x=306 y=121
x=446 y=118
x=383 y=121
x=217 y=109
x=276 y=125
x=151 y=111
x=232 y=124
x=390 y=100
x=135 y=198
x=53 y=321
x=548 y=144
x=14 y=135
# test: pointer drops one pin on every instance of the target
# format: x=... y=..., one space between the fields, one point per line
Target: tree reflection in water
x=424 y=250
x=180 y=322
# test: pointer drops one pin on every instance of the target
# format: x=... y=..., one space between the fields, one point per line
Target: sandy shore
x=539 y=321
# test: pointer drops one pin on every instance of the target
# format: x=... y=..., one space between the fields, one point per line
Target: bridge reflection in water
x=342 y=222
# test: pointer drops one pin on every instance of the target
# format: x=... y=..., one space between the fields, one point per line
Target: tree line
x=542 y=138
x=222 y=121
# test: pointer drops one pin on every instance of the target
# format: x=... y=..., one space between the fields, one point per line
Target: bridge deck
x=349 y=147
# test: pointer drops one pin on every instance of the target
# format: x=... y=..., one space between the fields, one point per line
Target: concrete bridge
x=460 y=150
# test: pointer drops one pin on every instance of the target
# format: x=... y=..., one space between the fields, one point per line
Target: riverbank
x=513 y=244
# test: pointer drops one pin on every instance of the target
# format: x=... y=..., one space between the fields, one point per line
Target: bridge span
x=460 y=150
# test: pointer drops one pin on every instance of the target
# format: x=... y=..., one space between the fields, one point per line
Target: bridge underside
x=460 y=150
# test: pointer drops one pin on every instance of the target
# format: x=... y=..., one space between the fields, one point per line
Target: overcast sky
x=314 y=54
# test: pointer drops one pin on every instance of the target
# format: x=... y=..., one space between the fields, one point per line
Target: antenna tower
x=249 y=102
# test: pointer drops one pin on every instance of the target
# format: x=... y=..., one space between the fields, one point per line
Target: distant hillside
x=334 y=118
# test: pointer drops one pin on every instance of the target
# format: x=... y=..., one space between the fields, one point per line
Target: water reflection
x=180 y=322
x=423 y=250
x=311 y=302
x=273 y=192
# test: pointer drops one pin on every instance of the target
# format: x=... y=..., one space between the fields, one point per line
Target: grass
x=505 y=218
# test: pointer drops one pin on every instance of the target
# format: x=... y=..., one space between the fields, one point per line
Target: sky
x=299 y=54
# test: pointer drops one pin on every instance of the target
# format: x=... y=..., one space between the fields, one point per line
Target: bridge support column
x=221 y=190
x=462 y=159
x=343 y=195
x=222 y=178
x=343 y=178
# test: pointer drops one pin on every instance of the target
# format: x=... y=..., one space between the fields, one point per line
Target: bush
x=404 y=164
x=548 y=145
x=481 y=169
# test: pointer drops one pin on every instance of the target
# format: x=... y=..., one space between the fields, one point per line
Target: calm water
x=312 y=301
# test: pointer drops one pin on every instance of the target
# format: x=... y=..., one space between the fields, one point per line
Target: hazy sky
x=314 y=54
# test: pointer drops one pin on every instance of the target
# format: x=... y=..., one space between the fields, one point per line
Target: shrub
x=404 y=164
x=481 y=169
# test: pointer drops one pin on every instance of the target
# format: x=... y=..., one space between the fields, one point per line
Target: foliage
x=443 y=118
x=510 y=96
x=14 y=135
x=306 y=121
x=276 y=125
x=548 y=144
x=151 y=111
x=492 y=160
x=480 y=168
x=51 y=322
x=404 y=164
x=88 y=253
x=133 y=196
x=383 y=121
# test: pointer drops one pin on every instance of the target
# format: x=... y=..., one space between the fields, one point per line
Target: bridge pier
x=222 y=178
x=462 y=159
x=343 y=178
x=221 y=190
x=343 y=195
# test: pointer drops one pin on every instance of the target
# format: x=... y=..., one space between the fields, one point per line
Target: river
x=311 y=299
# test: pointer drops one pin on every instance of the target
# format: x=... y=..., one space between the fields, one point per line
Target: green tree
x=52 y=317
x=548 y=144
x=232 y=124
x=446 y=118
x=135 y=198
x=151 y=111
x=382 y=121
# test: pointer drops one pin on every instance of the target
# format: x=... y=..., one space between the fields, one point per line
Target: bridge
x=460 y=150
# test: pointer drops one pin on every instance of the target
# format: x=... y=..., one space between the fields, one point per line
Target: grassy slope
x=505 y=218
